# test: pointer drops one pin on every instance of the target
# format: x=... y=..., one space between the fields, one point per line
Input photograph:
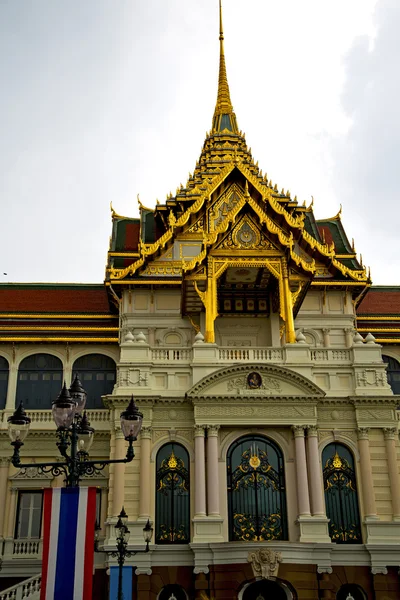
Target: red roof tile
x=15 y=298
x=380 y=302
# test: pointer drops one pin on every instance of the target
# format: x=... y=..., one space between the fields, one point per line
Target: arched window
x=266 y=590
x=172 y=495
x=256 y=490
x=351 y=591
x=341 y=495
x=3 y=381
x=393 y=373
x=39 y=381
x=172 y=592
x=97 y=373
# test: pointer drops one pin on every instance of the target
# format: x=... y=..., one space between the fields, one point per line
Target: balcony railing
x=229 y=354
x=27 y=548
x=171 y=354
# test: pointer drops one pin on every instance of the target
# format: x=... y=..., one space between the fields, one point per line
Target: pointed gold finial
x=224 y=117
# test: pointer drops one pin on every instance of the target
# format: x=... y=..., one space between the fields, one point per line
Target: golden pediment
x=246 y=235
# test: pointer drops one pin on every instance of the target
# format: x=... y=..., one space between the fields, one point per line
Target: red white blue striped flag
x=68 y=543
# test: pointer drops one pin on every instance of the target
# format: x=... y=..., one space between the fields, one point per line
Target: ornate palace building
x=265 y=365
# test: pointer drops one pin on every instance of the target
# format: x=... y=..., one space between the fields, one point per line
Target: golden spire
x=224 y=117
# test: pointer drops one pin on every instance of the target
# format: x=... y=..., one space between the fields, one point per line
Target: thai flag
x=68 y=543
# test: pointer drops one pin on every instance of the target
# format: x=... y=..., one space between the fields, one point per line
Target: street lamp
x=75 y=436
x=122 y=551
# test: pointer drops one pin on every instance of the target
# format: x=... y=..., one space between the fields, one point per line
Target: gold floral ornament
x=254 y=460
x=337 y=461
x=172 y=462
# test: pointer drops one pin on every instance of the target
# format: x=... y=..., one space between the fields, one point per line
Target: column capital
x=199 y=430
x=326 y=330
x=203 y=569
x=5 y=462
x=212 y=430
x=312 y=431
x=119 y=435
x=324 y=569
x=298 y=430
x=379 y=570
x=389 y=433
x=143 y=571
x=145 y=433
x=362 y=433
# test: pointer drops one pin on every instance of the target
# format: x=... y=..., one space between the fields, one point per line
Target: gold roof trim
x=189 y=265
x=380 y=318
x=378 y=329
x=340 y=283
x=54 y=316
x=50 y=328
x=58 y=339
x=115 y=215
x=297 y=222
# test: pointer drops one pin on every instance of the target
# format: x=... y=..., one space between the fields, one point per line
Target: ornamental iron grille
x=172 y=495
x=341 y=495
x=256 y=490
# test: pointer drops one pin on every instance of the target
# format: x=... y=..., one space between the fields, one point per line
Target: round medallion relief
x=254 y=380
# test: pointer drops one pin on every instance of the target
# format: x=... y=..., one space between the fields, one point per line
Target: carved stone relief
x=265 y=562
x=369 y=377
x=265 y=412
x=268 y=384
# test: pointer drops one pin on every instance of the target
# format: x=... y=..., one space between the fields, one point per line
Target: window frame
x=32 y=493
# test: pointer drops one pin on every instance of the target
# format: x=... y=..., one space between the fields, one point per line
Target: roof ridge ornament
x=224 y=117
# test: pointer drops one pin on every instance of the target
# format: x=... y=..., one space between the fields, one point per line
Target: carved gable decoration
x=254 y=380
x=224 y=205
x=246 y=235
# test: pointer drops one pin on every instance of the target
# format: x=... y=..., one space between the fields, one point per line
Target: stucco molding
x=304 y=386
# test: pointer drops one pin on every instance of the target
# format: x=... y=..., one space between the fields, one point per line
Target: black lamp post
x=75 y=436
x=122 y=551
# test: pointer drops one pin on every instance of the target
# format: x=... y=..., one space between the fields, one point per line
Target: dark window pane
x=37 y=387
x=97 y=373
x=29 y=514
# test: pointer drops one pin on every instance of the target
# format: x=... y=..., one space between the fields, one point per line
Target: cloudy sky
x=102 y=100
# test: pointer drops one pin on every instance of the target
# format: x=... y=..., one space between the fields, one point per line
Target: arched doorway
x=266 y=589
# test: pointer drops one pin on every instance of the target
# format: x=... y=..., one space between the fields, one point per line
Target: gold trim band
x=58 y=339
x=54 y=316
